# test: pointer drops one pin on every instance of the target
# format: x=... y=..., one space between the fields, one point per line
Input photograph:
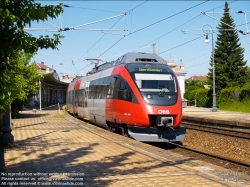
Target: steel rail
x=222 y=131
x=218 y=124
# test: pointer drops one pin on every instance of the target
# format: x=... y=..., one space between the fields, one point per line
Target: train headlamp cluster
x=165 y=121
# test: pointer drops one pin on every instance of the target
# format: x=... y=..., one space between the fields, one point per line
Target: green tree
x=194 y=90
x=15 y=16
x=248 y=74
x=230 y=67
x=22 y=77
x=193 y=85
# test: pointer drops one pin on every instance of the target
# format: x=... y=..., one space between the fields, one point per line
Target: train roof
x=131 y=57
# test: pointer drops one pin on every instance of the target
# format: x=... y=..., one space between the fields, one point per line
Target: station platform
x=201 y=114
x=53 y=148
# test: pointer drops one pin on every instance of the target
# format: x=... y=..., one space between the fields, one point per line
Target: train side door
x=85 y=101
x=123 y=102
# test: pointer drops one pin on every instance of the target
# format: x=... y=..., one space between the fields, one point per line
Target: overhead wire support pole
x=60 y=28
x=214 y=107
x=245 y=15
x=40 y=94
x=240 y=31
x=206 y=32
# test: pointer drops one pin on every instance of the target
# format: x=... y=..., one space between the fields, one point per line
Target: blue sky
x=148 y=22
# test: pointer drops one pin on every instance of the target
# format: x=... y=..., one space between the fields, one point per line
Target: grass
x=235 y=106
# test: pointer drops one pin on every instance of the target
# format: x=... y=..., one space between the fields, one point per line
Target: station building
x=180 y=73
x=52 y=90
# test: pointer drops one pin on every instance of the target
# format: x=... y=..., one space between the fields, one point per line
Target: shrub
x=202 y=98
x=245 y=93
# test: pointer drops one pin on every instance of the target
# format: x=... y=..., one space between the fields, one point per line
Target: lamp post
x=6 y=136
x=40 y=94
x=214 y=107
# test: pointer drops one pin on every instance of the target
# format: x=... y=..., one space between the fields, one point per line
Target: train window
x=103 y=90
x=85 y=96
x=99 y=88
x=156 y=82
x=70 y=97
x=91 y=91
x=80 y=97
x=157 y=89
x=82 y=93
x=106 y=83
x=111 y=84
x=125 y=92
x=76 y=98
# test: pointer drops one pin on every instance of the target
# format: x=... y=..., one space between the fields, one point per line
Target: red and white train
x=137 y=95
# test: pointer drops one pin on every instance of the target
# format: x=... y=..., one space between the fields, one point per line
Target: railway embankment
x=209 y=132
x=222 y=145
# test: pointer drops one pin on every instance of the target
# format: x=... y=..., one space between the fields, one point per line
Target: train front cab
x=152 y=111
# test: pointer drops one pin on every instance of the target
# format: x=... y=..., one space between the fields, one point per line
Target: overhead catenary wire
x=137 y=30
x=98 y=40
x=198 y=16
x=181 y=44
x=129 y=51
x=60 y=29
x=158 y=39
x=168 y=17
x=94 y=9
x=171 y=31
x=197 y=57
x=152 y=25
x=109 y=29
x=197 y=64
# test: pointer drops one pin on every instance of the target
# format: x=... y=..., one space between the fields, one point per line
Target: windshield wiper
x=161 y=93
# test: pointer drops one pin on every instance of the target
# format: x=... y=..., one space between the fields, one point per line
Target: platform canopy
x=52 y=78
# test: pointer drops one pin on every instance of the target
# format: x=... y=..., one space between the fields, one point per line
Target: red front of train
x=139 y=96
x=153 y=112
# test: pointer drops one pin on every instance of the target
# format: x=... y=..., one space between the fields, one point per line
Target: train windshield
x=157 y=89
x=156 y=83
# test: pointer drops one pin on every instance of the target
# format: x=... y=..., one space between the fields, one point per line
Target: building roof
x=42 y=66
x=49 y=75
x=198 y=78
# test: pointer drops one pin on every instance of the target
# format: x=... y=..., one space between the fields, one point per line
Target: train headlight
x=146 y=97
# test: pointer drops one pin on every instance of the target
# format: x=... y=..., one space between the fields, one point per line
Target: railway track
x=217 y=130
x=228 y=163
